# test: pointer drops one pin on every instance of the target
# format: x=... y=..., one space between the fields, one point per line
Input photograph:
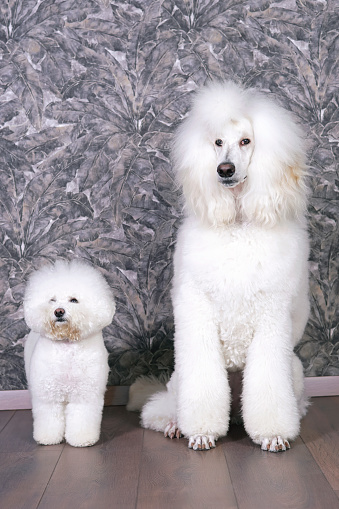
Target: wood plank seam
x=50 y=477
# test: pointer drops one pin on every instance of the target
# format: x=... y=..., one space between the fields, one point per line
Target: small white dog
x=66 y=306
x=240 y=288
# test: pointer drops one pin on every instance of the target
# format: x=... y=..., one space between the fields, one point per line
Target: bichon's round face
x=69 y=301
x=62 y=317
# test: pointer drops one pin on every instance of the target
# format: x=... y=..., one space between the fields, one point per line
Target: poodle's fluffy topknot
x=275 y=182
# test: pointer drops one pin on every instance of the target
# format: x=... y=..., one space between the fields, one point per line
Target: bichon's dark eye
x=74 y=300
x=245 y=141
x=218 y=142
x=53 y=299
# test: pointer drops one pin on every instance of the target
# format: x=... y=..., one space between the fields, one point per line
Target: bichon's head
x=68 y=300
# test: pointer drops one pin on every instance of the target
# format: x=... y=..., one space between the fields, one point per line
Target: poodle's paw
x=275 y=444
x=201 y=442
x=172 y=430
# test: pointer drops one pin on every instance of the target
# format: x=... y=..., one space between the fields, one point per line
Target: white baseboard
x=118 y=395
x=322 y=386
x=21 y=400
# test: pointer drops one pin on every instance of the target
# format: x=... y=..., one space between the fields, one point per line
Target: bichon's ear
x=34 y=296
x=107 y=310
x=96 y=293
x=276 y=188
x=195 y=165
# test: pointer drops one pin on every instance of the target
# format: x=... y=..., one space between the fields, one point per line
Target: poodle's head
x=68 y=300
x=240 y=156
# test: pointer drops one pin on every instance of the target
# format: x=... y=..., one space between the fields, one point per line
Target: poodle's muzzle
x=226 y=173
x=226 y=170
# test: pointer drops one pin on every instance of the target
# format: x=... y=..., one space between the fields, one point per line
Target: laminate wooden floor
x=135 y=468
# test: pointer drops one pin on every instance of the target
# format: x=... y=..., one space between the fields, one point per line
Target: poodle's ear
x=194 y=160
x=276 y=188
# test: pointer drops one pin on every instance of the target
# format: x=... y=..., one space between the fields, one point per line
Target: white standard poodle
x=240 y=287
x=66 y=306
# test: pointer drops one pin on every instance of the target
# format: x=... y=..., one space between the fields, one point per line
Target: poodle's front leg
x=203 y=404
x=270 y=408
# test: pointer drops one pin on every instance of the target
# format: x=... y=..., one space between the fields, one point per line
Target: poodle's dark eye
x=53 y=299
x=218 y=142
x=74 y=300
x=246 y=141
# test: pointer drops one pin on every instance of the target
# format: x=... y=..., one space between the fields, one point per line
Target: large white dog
x=240 y=288
x=66 y=307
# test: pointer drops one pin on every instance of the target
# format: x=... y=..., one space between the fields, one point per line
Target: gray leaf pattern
x=90 y=94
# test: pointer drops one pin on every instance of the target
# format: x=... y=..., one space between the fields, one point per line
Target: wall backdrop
x=90 y=93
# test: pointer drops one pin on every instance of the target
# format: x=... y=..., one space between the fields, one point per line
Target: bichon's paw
x=88 y=443
x=82 y=443
x=201 y=442
x=275 y=444
x=82 y=439
x=172 y=430
x=48 y=438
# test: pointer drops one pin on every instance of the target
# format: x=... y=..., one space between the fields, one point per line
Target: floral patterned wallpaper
x=90 y=93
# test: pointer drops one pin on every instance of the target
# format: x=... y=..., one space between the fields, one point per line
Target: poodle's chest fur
x=237 y=271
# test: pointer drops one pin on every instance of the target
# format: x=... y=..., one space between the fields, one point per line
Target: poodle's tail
x=159 y=413
x=141 y=391
x=156 y=398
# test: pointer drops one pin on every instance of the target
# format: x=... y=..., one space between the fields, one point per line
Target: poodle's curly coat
x=240 y=287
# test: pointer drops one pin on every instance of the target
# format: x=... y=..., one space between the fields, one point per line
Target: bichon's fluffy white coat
x=66 y=306
x=240 y=288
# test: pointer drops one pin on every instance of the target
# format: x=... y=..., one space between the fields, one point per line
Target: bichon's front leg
x=203 y=406
x=48 y=422
x=270 y=407
x=83 y=422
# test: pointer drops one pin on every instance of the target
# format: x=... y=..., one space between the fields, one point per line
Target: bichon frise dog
x=240 y=287
x=66 y=306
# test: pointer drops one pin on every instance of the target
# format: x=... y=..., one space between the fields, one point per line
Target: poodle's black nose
x=226 y=170
x=59 y=312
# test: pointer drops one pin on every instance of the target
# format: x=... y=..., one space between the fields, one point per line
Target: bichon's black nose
x=226 y=170
x=59 y=312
